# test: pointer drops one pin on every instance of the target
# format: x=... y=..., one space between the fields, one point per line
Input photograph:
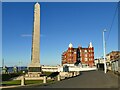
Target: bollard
x=44 y=79
x=68 y=75
x=71 y=74
x=77 y=73
x=74 y=73
x=58 y=77
x=23 y=81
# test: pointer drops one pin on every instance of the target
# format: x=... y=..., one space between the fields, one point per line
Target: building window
x=86 y=59
x=85 y=50
x=90 y=59
x=85 y=55
x=89 y=55
x=74 y=52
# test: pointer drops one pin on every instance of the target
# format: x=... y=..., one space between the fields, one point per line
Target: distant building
x=113 y=55
x=79 y=55
x=99 y=60
x=96 y=61
x=114 y=59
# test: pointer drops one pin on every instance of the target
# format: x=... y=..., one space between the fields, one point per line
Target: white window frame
x=86 y=55
x=86 y=59
x=85 y=50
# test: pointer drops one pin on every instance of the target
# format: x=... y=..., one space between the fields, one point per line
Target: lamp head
x=105 y=30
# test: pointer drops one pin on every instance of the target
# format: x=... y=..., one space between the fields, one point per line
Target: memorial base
x=34 y=71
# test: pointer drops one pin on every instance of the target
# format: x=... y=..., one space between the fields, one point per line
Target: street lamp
x=104 y=51
x=20 y=63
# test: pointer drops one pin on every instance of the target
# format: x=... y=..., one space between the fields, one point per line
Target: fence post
x=44 y=79
x=23 y=81
x=58 y=77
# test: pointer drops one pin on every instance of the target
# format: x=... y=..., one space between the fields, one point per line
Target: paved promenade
x=91 y=79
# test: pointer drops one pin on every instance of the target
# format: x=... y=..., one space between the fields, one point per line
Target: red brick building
x=79 y=55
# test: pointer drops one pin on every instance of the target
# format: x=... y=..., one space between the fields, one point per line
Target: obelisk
x=34 y=66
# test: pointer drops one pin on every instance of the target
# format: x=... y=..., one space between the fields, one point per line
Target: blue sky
x=61 y=24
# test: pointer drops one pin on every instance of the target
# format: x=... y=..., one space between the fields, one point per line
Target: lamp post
x=104 y=46
x=2 y=62
x=20 y=67
x=23 y=79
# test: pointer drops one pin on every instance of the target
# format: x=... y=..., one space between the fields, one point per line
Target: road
x=91 y=79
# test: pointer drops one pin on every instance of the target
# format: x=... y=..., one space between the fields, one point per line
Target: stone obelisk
x=34 y=68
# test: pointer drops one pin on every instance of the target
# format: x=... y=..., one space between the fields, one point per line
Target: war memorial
x=34 y=69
